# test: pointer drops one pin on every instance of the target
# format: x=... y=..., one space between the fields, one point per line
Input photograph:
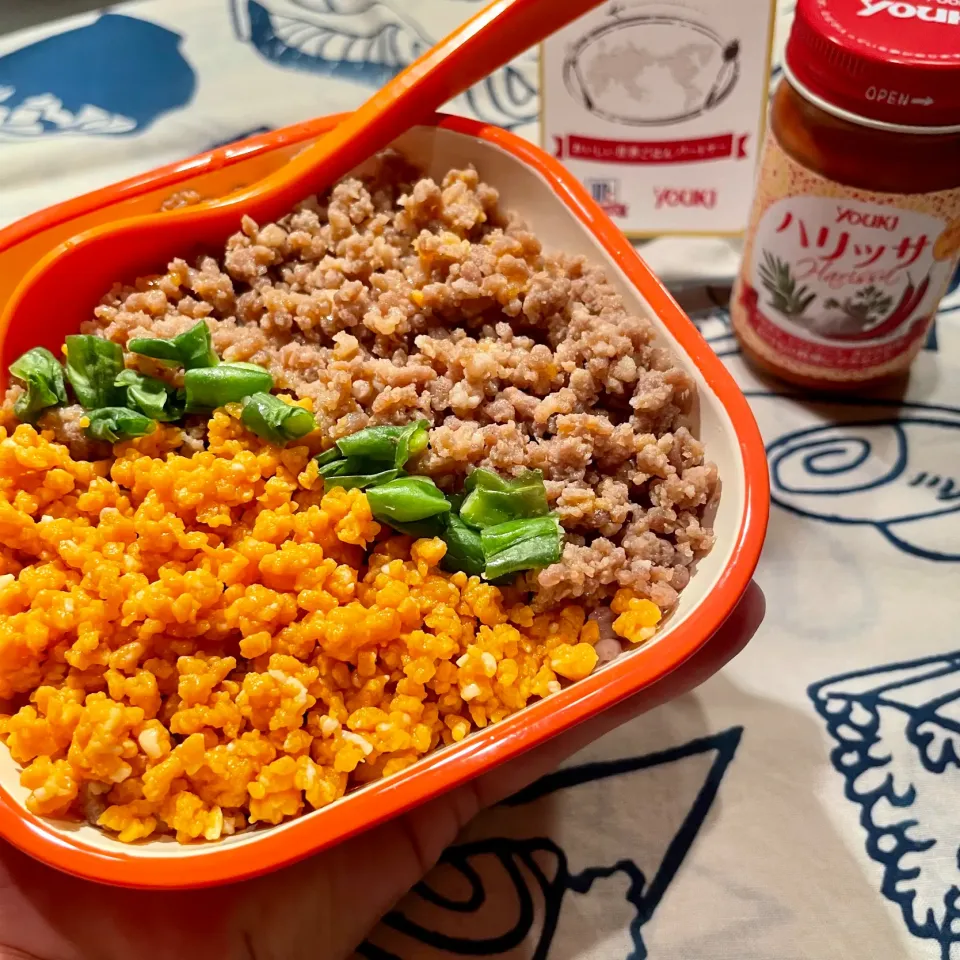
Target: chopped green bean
x=431 y=527
x=209 y=387
x=406 y=500
x=464 y=548
x=374 y=451
x=351 y=467
x=425 y=484
x=93 y=365
x=388 y=445
x=521 y=545
x=336 y=468
x=492 y=499
x=503 y=535
x=42 y=376
x=328 y=456
x=272 y=419
x=118 y=423
x=155 y=348
x=151 y=397
x=355 y=467
x=196 y=347
x=361 y=482
x=191 y=349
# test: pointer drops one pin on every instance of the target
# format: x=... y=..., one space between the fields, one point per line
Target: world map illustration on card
x=657 y=106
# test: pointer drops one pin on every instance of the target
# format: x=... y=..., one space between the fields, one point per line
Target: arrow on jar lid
x=923 y=101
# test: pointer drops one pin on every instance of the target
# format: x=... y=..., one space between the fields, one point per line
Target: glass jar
x=854 y=233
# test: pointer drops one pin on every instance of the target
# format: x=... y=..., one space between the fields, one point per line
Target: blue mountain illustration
x=897 y=730
x=510 y=890
x=115 y=76
x=368 y=42
x=893 y=466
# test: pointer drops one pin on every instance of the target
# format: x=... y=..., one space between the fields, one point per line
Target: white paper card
x=659 y=108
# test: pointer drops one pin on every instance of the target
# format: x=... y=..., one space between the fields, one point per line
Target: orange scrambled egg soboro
x=189 y=645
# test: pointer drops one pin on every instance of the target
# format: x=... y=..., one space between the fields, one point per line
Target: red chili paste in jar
x=855 y=229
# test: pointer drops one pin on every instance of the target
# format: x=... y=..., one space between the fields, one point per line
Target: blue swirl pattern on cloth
x=898 y=474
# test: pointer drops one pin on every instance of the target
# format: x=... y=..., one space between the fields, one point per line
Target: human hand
x=323 y=907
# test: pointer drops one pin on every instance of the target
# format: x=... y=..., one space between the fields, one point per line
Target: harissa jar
x=854 y=233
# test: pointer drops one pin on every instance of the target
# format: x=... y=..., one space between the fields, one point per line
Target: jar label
x=839 y=283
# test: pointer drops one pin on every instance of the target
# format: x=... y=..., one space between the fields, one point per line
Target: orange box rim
x=24 y=242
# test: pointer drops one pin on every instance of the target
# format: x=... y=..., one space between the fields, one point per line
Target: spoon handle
x=493 y=37
x=75 y=274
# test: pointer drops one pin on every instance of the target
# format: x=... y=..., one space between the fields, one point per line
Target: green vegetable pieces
x=118 y=423
x=372 y=459
x=360 y=482
x=407 y=500
x=464 y=548
x=386 y=445
x=372 y=456
x=521 y=545
x=191 y=349
x=274 y=420
x=42 y=377
x=151 y=397
x=492 y=499
x=210 y=387
x=497 y=527
x=93 y=365
x=327 y=457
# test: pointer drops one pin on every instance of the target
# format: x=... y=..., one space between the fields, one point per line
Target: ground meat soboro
x=395 y=297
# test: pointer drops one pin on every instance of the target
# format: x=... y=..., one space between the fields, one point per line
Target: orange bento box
x=562 y=214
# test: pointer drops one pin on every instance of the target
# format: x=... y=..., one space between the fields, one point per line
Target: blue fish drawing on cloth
x=895 y=467
x=507 y=890
x=897 y=733
x=368 y=42
x=113 y=77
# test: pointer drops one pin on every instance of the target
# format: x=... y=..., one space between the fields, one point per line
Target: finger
x=48 y=915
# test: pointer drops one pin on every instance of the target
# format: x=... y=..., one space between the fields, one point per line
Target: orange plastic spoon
x=73 y=277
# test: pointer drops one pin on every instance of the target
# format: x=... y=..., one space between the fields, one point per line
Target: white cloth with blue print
x=802 y=805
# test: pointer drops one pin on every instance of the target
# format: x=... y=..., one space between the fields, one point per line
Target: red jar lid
x=883 y=60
